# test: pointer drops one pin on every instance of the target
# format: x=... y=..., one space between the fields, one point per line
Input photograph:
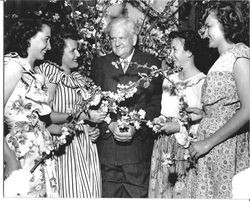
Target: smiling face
x=40 y=43
x=122 y=42
x=178 y=54
x=70 y=55
x=213 y=31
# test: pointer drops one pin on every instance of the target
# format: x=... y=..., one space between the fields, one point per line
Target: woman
x=168 y=170
x=25 y=102
x=78 y=164
x=222 y=148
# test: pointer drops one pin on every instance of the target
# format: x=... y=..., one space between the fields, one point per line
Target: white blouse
x=170 y=102
x=190 y=90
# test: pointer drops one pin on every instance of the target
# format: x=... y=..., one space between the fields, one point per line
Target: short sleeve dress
x=220 y=101
x=168 y=180
x=27 y=135
x=78 y=164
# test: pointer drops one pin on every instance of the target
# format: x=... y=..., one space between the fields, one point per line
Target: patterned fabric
x=169 y=180
x=78 y=164
x=27 y=135
x=219 y=96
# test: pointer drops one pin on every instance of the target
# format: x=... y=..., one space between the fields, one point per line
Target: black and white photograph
x=125 y=99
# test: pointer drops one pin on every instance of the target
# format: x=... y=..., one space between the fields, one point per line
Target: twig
x=39 y=162
x=144 y=19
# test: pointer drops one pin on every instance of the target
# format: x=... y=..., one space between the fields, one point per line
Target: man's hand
x=122 y=136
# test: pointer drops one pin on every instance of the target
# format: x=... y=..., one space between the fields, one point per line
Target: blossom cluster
x=154 y=32
x=170 y=160
x=134 y=118
x=90 y=21
x=68 y=131
x=106 y=101
x=175 y=88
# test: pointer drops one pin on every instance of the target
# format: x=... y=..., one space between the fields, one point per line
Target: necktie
x=125 y=65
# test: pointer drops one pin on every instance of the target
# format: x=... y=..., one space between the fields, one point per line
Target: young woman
x=25 y=102
x=222 y=146
x=168 y=178
x=78 y=166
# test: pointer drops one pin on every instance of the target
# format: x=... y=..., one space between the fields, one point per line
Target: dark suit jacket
x=107 y=76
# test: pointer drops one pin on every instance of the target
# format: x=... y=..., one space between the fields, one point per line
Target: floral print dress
x=219 y=95
x=168 y=175
x=27 y=135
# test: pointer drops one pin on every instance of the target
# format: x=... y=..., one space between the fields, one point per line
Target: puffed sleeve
x=51 y=72
x=241 y=51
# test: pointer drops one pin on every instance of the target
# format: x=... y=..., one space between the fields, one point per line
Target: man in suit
x=125 y=156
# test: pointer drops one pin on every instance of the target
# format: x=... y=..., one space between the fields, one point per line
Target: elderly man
x=125 y=155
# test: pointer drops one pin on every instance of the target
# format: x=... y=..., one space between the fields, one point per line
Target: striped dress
x=78 y=164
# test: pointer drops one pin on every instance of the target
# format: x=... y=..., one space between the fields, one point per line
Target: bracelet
x=70 y=117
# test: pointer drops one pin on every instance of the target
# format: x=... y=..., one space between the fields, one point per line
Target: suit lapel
x=114 y=64
x=132 y=66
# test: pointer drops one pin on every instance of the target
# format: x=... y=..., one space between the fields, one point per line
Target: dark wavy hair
x=192 y=42
x=22 y=30
x=230 y=17
x=58 y=37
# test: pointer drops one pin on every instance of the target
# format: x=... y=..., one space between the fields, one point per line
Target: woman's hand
x=200 y=148
x=170 y=127
x=97 y=116
x=158 y=120
x=93 y=132
x=195 y=113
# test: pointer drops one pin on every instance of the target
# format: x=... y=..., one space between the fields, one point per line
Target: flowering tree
x=91 y=19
